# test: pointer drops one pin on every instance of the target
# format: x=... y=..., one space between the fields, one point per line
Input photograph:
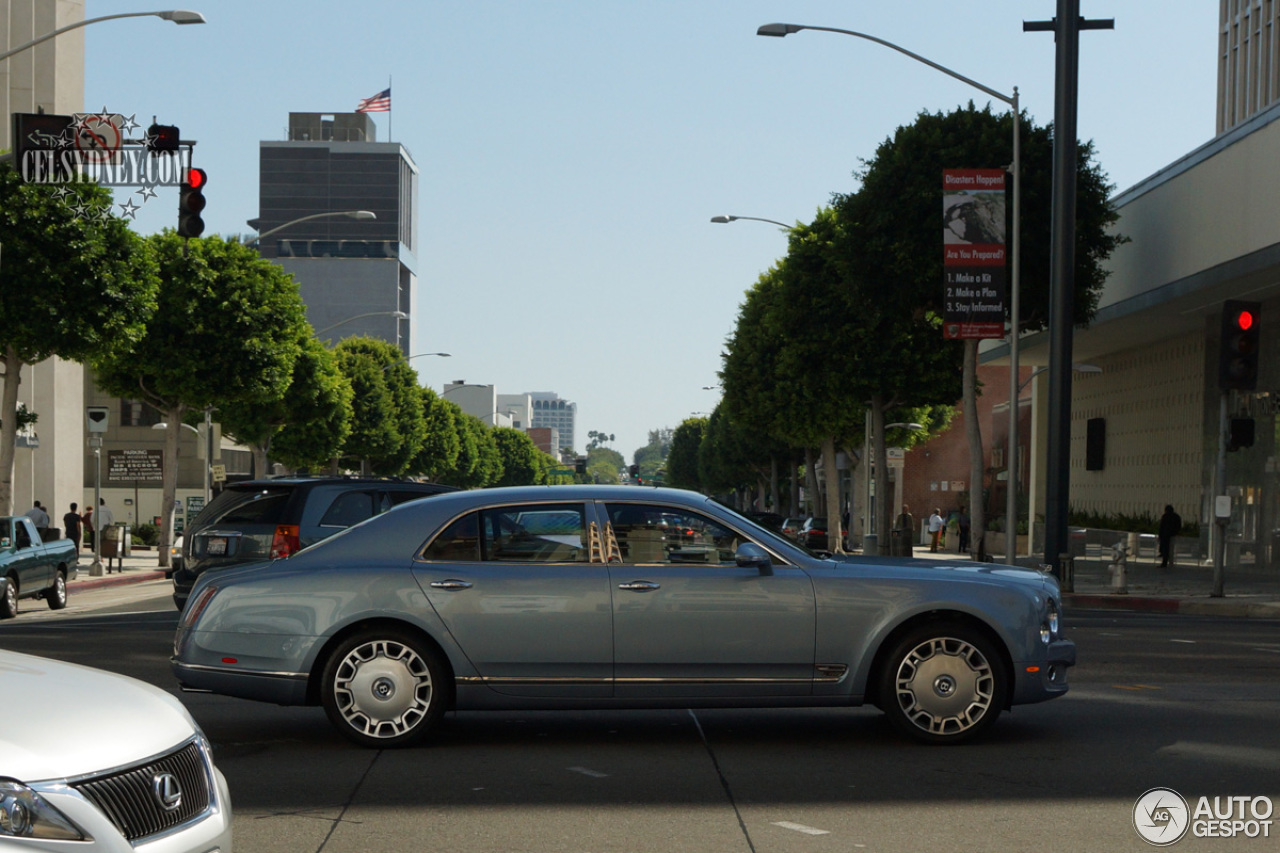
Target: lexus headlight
x=25 y=814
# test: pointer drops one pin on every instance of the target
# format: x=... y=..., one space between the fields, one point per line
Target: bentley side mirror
x=751 y=555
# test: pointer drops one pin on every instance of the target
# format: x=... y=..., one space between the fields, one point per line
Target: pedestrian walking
x=1170 y=526
x=39 y=518
x=71 y=524
x=86 y=526
x=935 y=529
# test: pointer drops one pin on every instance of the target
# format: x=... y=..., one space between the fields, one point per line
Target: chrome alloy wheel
x=383 y=688
x=945 y=686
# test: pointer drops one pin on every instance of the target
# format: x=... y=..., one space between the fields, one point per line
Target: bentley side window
x=457 y=543
x=658 y=534
x=538 y=533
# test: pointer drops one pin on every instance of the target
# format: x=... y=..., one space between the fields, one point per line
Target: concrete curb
x=1236 y=608
x=86 y=583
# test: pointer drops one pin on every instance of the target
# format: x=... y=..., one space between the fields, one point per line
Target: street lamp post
x=178 y=16
x=724 y=219
x=412 y=357
x=780 y=30
x=352 y=214
x=399 y=315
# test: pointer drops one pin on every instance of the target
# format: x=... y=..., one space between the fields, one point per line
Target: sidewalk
x=141 y=566
x=1248 y=592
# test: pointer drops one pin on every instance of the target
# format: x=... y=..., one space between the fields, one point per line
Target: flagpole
x=388 y=108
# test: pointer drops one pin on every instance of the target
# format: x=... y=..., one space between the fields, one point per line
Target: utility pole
x=1066 y=28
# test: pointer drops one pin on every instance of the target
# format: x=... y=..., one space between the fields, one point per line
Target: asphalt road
x=1157 y=701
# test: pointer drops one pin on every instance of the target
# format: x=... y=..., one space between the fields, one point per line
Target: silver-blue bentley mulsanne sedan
x=571 y=597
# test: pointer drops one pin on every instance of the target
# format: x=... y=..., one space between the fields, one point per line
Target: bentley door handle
x=450 y=584
x=640 y=586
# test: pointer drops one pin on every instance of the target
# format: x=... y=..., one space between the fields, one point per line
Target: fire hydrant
x=1119 y=554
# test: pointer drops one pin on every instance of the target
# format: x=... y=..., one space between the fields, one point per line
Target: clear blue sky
x=572 y=152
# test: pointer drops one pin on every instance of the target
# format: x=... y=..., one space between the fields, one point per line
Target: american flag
x=379 y=103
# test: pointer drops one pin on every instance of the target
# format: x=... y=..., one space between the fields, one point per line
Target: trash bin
x=871 y=545
x=111 y=541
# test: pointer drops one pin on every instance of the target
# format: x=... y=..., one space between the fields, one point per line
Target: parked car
x=30 y=568
x=813 y=533
x=175 y=556
x=268 y=519
x=139 y=776
x=791 y=528
x=582 y=597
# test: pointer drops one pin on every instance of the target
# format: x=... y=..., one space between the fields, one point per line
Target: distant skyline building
x=549 y=410
x=354 y=275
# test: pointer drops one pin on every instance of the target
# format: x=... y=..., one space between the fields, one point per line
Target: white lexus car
x=94 y=761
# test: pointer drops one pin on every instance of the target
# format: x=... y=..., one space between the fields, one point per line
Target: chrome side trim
x=228 y=670
x=529 y=680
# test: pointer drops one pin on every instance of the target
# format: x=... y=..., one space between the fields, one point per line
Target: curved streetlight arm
x=178 y=16
x=412 y=357
x=354 y=214
x=781 y=30
x=399 y=315
x=723 y=219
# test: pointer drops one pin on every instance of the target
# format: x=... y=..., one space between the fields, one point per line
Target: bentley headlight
x=1049 y=627
x=1053 y=618
x=25 y=814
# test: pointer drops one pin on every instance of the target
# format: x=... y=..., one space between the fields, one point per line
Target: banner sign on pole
x=973 y=245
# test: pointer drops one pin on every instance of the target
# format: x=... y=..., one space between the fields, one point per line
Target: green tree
x=441 y=445
x=408 y=422
x=653 y=456
x=521 y=462
x=896 y=212
x=373 y=415
x=306 y=426
x=75 y=283
x=682 y=461
x=603 y=465
x=226 y=332
x=479 y=462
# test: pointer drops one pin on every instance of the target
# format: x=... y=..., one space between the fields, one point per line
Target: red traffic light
x=1244 y=320
x=196 y=178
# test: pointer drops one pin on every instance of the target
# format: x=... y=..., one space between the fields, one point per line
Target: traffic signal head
x=190 y=203
x=162 y=137
x=1241 y=434
x=1238 y=352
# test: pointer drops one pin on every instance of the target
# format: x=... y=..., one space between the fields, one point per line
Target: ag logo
x=1161 y=816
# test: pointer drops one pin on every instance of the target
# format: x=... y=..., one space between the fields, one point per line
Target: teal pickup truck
x=30 y=568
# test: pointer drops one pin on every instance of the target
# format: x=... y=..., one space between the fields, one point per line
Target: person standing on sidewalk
x=1170 y=526
x=39 y=518
x=935 y=529
x=71 y=524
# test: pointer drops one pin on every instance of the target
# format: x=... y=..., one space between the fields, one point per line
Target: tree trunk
x=835 y=531
x=793 y=484
x=773 y=484
x=259 y=461
x=811 y=482
x=169 y=480
x=9 y=427
x=973 y=431
x=883 y=496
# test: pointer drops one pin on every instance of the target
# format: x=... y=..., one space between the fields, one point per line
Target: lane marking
x=1184 y=642
x=800 y=827
x=594 y=774
x=1136 y=687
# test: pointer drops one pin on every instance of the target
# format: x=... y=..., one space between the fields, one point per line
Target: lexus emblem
x=167 y=791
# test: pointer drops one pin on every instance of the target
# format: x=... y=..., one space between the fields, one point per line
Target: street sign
x=96 y=418
x=218 y=473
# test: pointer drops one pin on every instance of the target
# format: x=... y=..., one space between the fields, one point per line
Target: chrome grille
x=128 y=800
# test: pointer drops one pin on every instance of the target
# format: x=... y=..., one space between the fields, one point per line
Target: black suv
x=261 y=520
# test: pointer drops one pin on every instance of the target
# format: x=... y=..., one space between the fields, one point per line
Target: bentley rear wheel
x=385 y=688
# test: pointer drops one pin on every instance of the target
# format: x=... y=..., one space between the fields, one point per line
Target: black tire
x=56 y=595
x=9 y=599
x=385 y=687
x=943 y=683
